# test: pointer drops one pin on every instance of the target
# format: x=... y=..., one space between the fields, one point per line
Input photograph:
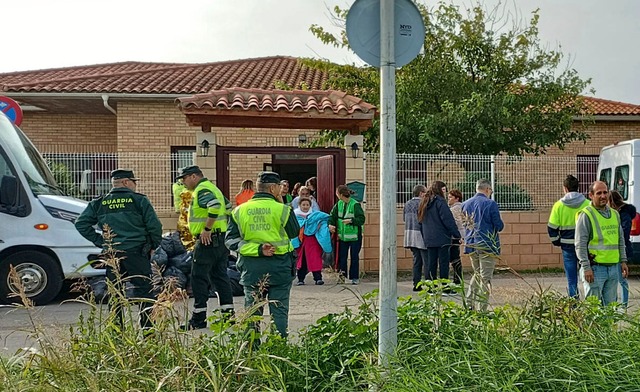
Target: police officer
x=137 y=230
x=260 y=231
x=208 y=216
x=600 y=246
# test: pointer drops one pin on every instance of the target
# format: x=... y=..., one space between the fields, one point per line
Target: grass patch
x=548 y=343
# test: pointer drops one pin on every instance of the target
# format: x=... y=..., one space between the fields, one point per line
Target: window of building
x=181 y=157
x=587 y=171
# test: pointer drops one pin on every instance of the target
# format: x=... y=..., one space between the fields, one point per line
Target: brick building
x=130 y=108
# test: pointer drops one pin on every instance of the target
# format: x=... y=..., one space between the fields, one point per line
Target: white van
x=619 y=168
x=37 y=234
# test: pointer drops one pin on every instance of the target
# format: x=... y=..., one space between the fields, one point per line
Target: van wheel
x=39 y=274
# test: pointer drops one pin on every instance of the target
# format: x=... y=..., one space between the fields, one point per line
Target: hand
x=205 y=238
x=332 y=229
x=347 y=221
x=588 y=276
x=268 y=249
x=625 y=270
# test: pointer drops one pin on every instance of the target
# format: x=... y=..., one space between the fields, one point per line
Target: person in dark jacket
x=438 y=229
x=137 y=230
x=413 y=236
x=627 y=213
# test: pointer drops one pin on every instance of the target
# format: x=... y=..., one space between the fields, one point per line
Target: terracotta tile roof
x=181 y=78
x=321 y=101
x=605 y=107
x=166 y=78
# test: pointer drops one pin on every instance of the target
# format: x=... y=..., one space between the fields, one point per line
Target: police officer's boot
x=197 y=321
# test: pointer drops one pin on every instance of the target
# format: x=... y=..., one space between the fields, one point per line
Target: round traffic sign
x=11 y=109
x=363 y=31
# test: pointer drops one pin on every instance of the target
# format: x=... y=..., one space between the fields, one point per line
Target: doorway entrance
x=292 y=163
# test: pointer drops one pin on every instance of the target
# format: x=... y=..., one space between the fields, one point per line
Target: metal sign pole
x=388 y=325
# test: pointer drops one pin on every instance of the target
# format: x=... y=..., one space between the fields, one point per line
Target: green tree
x=484 y=84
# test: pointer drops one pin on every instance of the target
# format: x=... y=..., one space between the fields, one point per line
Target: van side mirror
x=8 y=194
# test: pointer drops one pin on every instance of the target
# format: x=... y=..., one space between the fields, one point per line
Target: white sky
x=600 y=36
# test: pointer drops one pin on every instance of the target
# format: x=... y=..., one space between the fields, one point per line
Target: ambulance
x=37 y=233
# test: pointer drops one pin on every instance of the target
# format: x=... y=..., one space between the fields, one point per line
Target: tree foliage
x=484 y=84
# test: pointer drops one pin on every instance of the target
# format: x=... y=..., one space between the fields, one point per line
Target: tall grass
x=550 y=343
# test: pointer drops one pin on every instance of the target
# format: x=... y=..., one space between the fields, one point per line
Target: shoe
x=416 y=288
x=319 y=282
x=355 y=281
x=300 y=283
x=193 y=325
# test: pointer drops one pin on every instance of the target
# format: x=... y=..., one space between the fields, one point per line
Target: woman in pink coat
x=314 y=239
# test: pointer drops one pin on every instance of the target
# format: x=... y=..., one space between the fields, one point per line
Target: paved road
x=308 y=303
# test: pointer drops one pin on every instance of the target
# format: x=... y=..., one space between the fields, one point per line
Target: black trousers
x=135 y=268
x=210 y=264
x=456 y=262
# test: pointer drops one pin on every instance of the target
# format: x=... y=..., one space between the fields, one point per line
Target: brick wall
x=65 y=133
x=524 y=240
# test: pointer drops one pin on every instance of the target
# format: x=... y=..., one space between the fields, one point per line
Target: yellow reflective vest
x=198 y=215
x=262 y=221
x=604 y=235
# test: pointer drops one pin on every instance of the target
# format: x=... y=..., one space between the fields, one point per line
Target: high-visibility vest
x=563 y=218
x=177 y=189
x=605 y=235
x=198 y=215
x=261 y=221
x=347 y=233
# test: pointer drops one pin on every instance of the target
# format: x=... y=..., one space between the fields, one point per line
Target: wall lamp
x=355 y=150
x=204 y=148
x=302 y=139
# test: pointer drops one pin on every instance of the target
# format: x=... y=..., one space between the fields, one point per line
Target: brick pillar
x=207 y=164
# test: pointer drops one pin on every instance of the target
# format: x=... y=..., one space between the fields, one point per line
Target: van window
x=605 y=176
x=621 y=181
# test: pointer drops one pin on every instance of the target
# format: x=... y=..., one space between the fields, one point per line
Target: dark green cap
x=123 y=173
x=269 y=178
x=186 y=171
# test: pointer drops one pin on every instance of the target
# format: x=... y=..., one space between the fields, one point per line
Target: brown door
x=326 y=182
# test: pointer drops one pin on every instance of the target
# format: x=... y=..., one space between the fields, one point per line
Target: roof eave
x=609 y=117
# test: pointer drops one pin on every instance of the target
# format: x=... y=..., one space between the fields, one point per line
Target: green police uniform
x=259 y=221
x=137 y=230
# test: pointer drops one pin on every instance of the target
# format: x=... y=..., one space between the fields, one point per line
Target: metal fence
x=520 y=183
x=87 y=176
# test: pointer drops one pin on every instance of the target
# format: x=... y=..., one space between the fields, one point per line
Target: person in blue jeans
x=439 y=229
x=600 y=246
x=562 y=229
x=627 y=213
